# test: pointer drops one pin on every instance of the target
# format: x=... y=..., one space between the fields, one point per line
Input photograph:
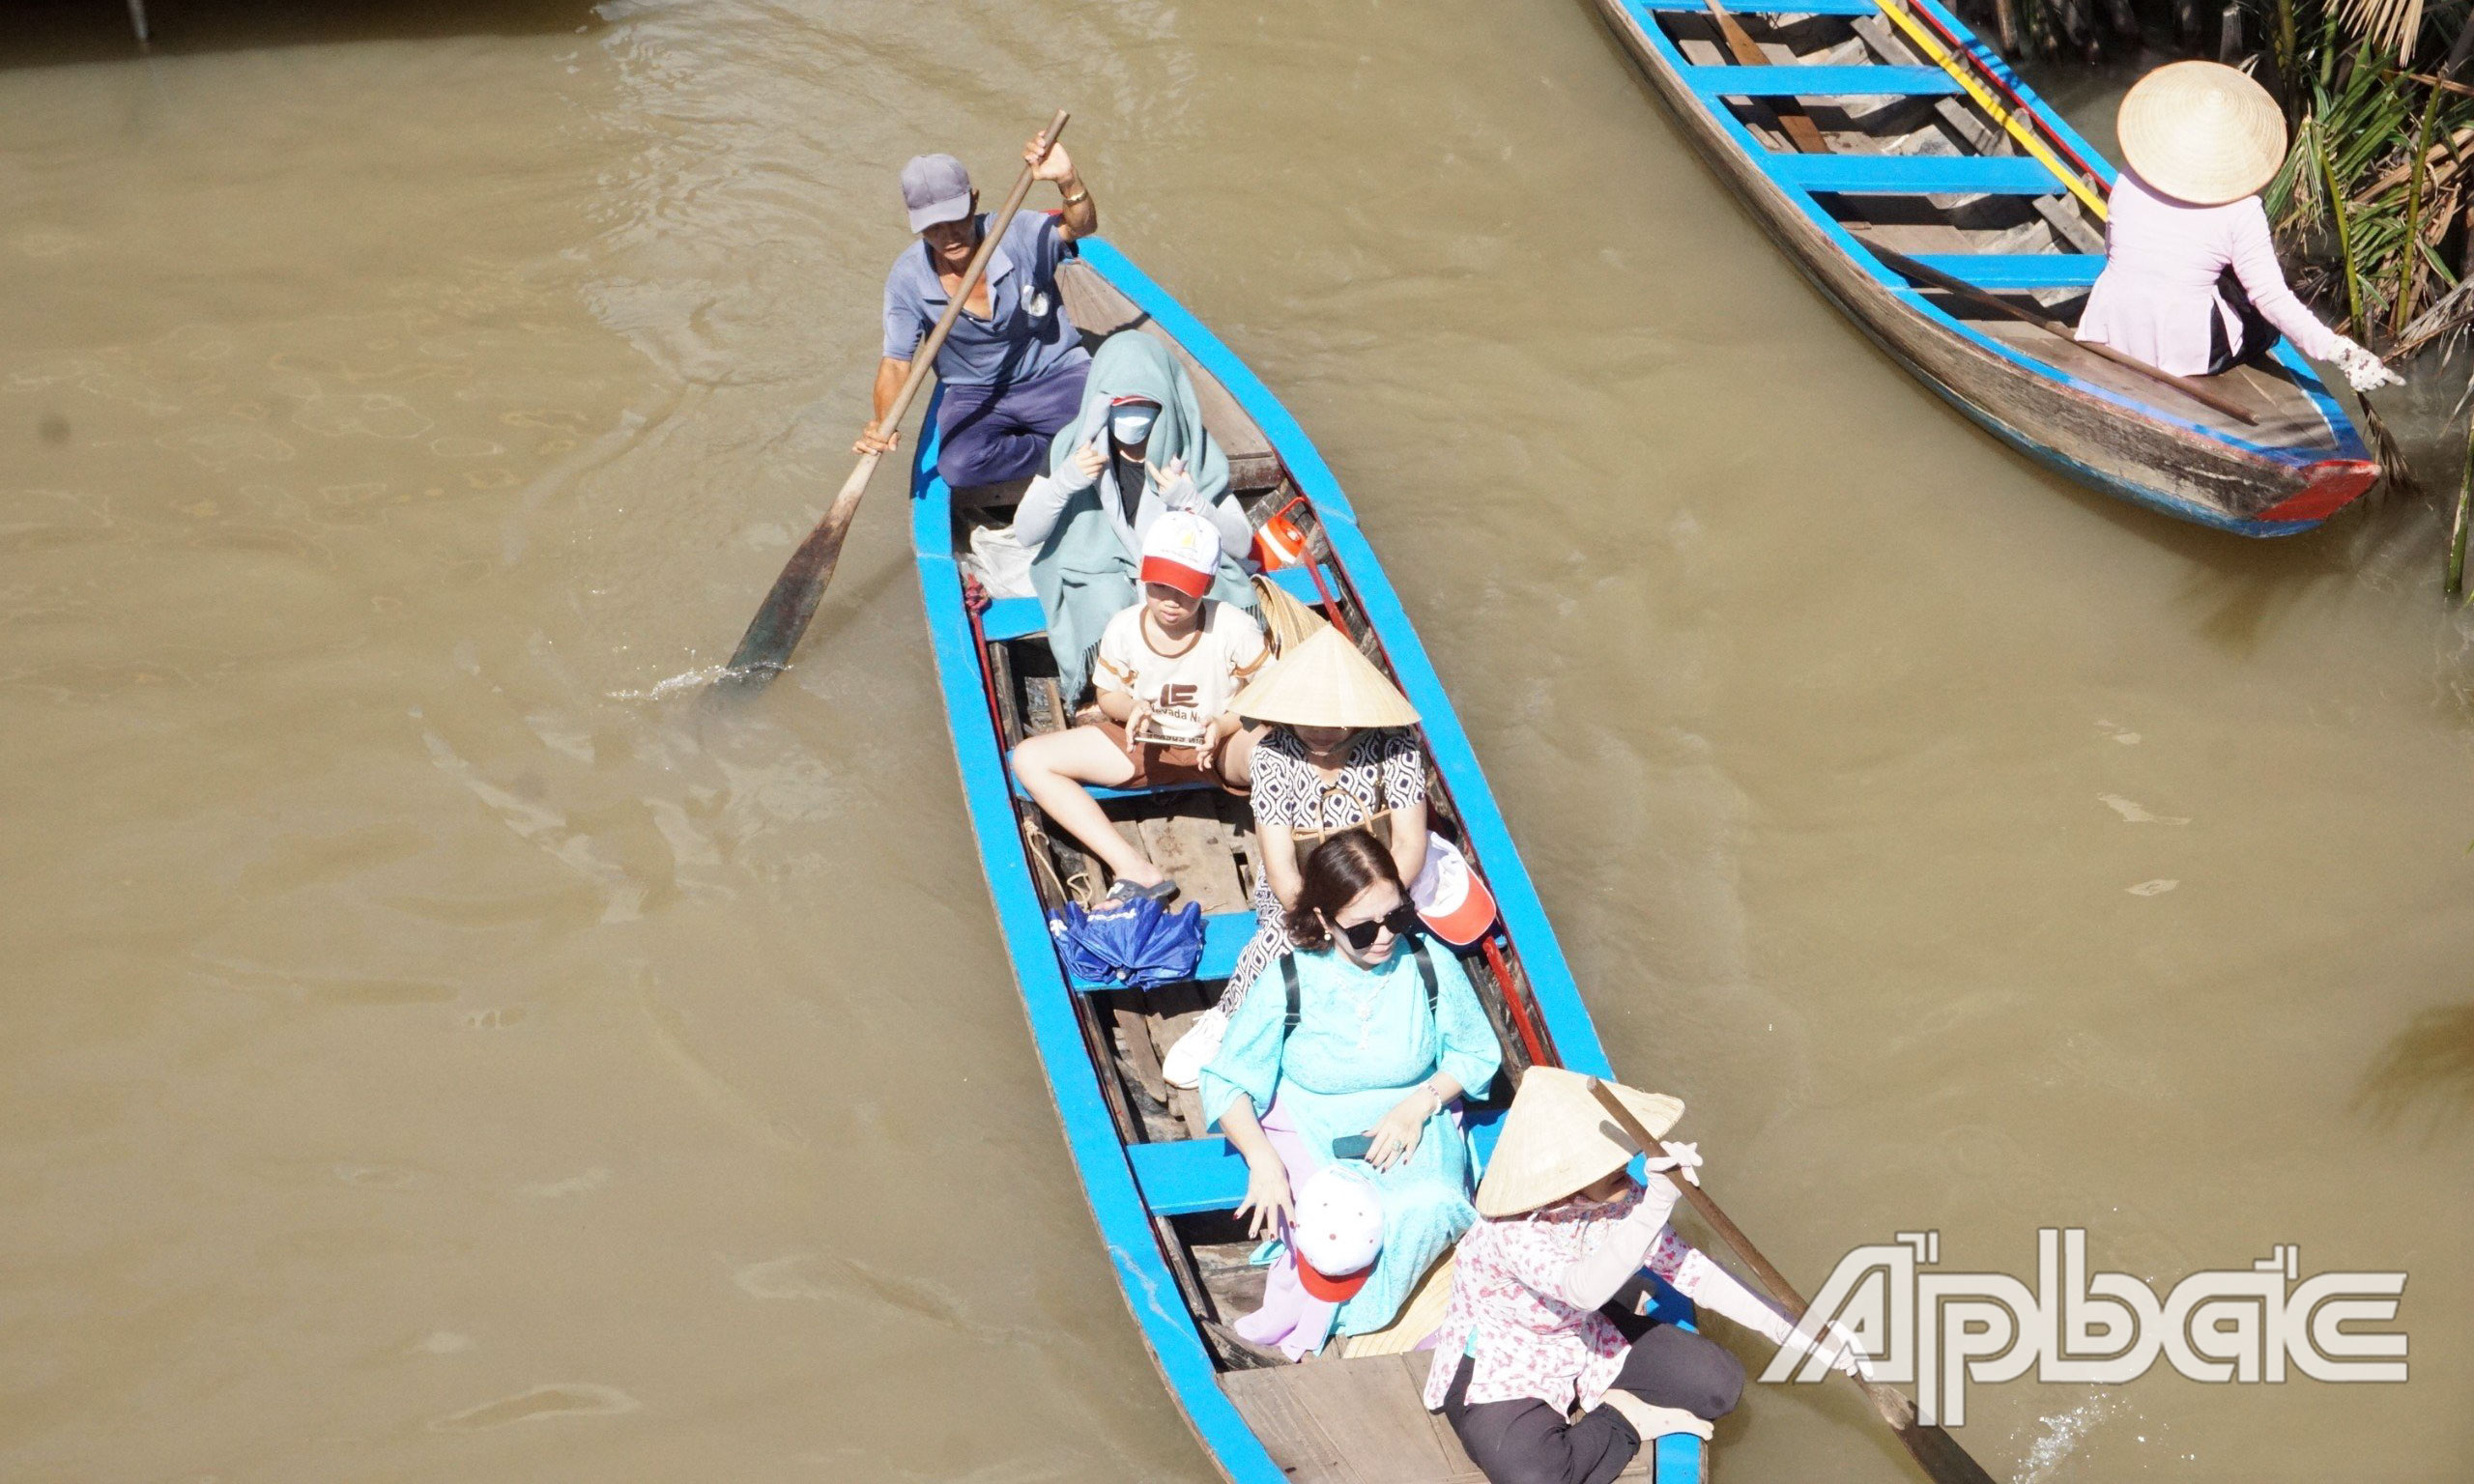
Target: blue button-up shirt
x=1027 y=335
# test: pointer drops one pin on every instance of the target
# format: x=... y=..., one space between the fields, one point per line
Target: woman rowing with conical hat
x=2203 y=141
x=1542 y=1365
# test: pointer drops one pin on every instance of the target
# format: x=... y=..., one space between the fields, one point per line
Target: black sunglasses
x=1401 y=920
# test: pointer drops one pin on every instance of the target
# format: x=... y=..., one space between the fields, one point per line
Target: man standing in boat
x=1013 y=365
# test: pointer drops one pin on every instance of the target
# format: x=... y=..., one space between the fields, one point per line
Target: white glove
x=2364 y=371
x=1679 y=1156
x=1840 y=1348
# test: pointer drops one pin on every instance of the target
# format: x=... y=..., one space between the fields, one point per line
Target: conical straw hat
x=1324 y=681
x=1557 y=1140
x=2202 y=133
x=1289 y=621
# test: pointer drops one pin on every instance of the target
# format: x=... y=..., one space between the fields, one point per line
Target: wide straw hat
x=1557 y=1140
x=2202 y=133
x=1324 y=681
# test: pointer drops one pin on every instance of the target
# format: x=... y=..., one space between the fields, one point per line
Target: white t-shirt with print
x=1186 y=689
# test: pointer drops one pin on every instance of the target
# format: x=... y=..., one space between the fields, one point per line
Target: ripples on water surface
x=444 y=1046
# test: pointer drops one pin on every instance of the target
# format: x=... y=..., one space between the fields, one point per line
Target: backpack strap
x=1296 y=1011
x=1425 y=972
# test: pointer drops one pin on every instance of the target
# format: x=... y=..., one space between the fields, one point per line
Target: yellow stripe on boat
x=2013 y=124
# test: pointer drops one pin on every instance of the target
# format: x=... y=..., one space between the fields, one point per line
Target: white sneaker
x=1183 y=1066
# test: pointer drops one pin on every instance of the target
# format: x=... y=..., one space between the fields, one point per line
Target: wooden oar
x=766 y=648
x=1901 y=263
x=1801 y=132
x=1939 y=1453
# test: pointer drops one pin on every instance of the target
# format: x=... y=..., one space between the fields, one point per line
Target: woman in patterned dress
x=1534 y=1332
x=1339 y=754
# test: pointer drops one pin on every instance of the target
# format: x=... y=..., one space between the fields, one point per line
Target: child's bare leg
x=1053 y=767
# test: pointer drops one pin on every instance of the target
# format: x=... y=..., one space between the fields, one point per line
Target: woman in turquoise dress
x=1386 y=1036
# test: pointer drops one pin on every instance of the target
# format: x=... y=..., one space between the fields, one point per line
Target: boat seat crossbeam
x=1819 y=81
x=1760 y=7
x=1189 y=1176
x=2013 y=271
x=1020 y=617
x=1224 y=939
x=1914 y=174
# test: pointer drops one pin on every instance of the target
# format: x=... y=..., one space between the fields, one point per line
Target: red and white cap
x=1338 y=1230
x=1455 y=904
x=1181 y=549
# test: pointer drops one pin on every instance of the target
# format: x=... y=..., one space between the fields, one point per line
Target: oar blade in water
x=764 y=650
x=1941 y=1457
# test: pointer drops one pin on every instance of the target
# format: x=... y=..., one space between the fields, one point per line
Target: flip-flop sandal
x=1127 y=891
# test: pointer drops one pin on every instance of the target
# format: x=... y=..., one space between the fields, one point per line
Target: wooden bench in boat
x=1020 y=617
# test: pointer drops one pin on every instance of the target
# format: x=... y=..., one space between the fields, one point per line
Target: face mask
x=1131 y=423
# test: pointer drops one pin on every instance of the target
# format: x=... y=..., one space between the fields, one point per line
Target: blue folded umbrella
x=1136 y=943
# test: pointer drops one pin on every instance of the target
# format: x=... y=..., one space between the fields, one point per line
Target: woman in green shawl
x=1136 y=448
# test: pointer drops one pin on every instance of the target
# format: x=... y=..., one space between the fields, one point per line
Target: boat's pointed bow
x=2330 y=485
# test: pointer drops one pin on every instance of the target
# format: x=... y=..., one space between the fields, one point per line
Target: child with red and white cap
x=1137 y=450
x=1166 y=672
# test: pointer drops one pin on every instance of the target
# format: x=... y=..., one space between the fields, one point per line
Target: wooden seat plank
x=1817 y=82
x=1287 y=1430
x=1920 y=175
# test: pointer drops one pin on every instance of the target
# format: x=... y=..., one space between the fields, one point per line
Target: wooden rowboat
x=1849 y=130
x=1160 y=1186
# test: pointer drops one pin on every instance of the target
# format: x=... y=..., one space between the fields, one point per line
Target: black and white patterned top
x=1384 y=770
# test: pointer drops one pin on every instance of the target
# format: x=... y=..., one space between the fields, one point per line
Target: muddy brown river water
x=439 y=1045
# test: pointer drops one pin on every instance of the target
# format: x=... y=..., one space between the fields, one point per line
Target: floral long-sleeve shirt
x=1525 y=1341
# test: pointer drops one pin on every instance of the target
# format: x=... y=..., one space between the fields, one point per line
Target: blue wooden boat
x=1159 y=1187
x=1847 y=130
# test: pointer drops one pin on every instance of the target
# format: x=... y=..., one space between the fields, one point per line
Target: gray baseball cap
x=936 y=188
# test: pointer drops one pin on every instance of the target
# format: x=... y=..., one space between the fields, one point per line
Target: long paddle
x=766 y=648
x=1901 y=263
x=1939 y=1453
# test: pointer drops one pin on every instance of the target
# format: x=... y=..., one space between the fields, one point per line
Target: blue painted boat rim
x=1101 y=1159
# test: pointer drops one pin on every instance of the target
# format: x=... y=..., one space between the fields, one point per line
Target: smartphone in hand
x=1352 y=1146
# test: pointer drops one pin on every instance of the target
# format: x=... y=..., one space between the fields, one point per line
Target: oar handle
x=1900 y=263
x=924 y=358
